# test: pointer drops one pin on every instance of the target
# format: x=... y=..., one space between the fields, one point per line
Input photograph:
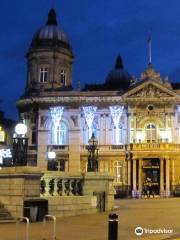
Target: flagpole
x=150 y=49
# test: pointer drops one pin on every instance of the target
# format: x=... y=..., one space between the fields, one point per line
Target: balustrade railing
x=61 y=186
x=59 y=147
x=157 y=146
x=105 y=147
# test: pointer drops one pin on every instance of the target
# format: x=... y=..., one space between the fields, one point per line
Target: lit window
x=118 y=135
x=2 y=135
x=118 y=171
x=151 y=133
x=43 y=74
x=60 y=134
x=63 y=77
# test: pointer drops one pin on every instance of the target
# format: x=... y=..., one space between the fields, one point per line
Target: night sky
x=99 y=30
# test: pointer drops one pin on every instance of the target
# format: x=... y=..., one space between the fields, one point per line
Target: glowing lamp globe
x=51 y=155
x=20 y=129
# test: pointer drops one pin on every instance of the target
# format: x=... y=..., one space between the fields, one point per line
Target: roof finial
x=150 y=47
x=52 y=17
x=119 y=63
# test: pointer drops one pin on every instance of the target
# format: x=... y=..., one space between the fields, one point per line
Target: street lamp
x=51 y=156
x=93 y=154
x=20 y=145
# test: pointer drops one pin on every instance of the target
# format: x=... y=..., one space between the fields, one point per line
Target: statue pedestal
x=100 y=185
x=18 y=184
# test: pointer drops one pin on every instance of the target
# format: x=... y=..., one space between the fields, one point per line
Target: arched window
x=93 y=130
x=60 y=134
x=118 y=135
x=151 y=132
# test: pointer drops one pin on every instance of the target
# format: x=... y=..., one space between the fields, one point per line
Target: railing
x=59 y=147
x=105 y=147
x=153 y=146
x=52 y=185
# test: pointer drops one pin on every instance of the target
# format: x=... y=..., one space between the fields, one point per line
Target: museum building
x=136 y=122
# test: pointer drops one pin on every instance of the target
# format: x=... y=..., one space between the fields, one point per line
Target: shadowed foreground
x=146 y=213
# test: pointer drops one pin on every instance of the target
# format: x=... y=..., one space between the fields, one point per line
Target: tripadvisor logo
x=138 y=231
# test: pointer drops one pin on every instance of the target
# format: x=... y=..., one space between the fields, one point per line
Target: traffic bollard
x=113 y=227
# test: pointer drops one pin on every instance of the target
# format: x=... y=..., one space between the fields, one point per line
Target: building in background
x=136 y=122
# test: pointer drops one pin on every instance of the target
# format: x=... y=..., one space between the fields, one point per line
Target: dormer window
x=43 y=75
x=63 y=77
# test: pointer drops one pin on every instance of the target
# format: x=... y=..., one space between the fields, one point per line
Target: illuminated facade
x=136 y=123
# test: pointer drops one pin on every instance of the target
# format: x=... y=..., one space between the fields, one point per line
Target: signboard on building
x=5 y=157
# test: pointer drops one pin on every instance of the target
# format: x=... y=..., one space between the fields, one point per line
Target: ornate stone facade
x=139 y=141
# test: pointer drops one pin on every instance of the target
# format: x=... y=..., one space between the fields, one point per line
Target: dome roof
x=50 y=34
x=119 y=78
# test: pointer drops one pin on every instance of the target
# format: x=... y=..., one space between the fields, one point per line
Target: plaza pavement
x=146 y=213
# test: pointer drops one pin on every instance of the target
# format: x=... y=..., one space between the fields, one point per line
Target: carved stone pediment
x=150 y=90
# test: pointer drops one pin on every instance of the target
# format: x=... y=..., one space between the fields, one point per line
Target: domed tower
x=118 y=78
x=49 y=59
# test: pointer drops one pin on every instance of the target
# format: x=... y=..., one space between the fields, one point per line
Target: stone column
x=134 y=178
x=134 y=132
x=74 y=150
x=128 y=129
x=102 y=130
x=129 y=173
x=66 y=165
x=173 y=179
x=107 y=132
x=161 y=177
x=167 y=178
x=140 y=176
x=173 y=127
x=42 y=149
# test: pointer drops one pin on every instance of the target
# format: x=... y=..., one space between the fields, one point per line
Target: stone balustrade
x=59 y=147
x=157 y=146
x=104 y=148
x=60 y=185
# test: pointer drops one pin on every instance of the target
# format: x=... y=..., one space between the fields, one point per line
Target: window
x=118 y=171
x=58 y=165
x=63 y=77
x=151 y=133
x=60 y=134
x=117 y=135
x=43 y=74
x=2 y=135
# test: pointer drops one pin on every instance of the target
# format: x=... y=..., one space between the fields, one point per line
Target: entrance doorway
x=151 y=176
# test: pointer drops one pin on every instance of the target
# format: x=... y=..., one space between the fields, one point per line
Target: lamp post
x=129 y=160
x=93 y=154
x=51 y=156
x=20 y=145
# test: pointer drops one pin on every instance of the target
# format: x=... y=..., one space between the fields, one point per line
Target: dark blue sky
x=99 y=30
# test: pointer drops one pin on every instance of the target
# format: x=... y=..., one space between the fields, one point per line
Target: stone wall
x=16 y=185
x=71 y=205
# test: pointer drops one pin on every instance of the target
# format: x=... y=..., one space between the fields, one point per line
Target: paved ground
x=146 y=213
